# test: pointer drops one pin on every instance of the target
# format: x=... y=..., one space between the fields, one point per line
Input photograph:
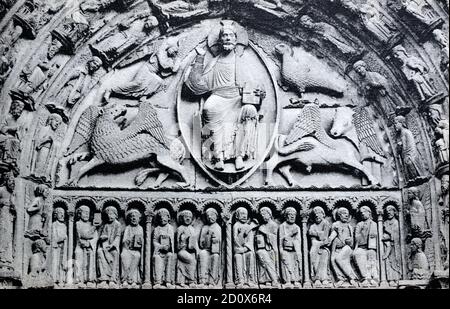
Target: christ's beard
x=228 y=46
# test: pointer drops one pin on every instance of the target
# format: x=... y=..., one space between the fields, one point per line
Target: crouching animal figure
x=99 y=133
x=308 y=144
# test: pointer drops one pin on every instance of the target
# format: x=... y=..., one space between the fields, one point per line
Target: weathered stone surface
x=224 y=144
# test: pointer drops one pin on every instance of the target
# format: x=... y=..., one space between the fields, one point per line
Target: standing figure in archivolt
x=417 y=72
x=407 y=148
x=329 y=34
x=375 y=22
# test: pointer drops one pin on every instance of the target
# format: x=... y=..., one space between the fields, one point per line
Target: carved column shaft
x=383 y=279
x=401 y=221
x=229 y=254
x=306 y=279
x=148 y=249
x=435 y=223
x=19 y=227
x=70 y=244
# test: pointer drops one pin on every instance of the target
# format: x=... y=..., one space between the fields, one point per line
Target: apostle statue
x=187 y=251
x=319 y=254
x=108 y=249
x=391 y=242
x=341 y=239
x=164 y=248
x=132 y=255
x=244 y=252
x=267 y=249
x=289 y=239
x=365 y=253
x=210 y=243
x=85 y=246
x=59 y=246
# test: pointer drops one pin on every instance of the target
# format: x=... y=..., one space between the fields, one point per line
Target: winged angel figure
x=100 y=139
x=308 y=144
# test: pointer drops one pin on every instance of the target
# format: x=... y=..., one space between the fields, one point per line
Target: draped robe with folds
x=6 y=227
x=221 y=75
x=132 y=254
x=59 y=251
x=85 y=252
x=392 y=253
x=289 y=240
x=108 y=260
